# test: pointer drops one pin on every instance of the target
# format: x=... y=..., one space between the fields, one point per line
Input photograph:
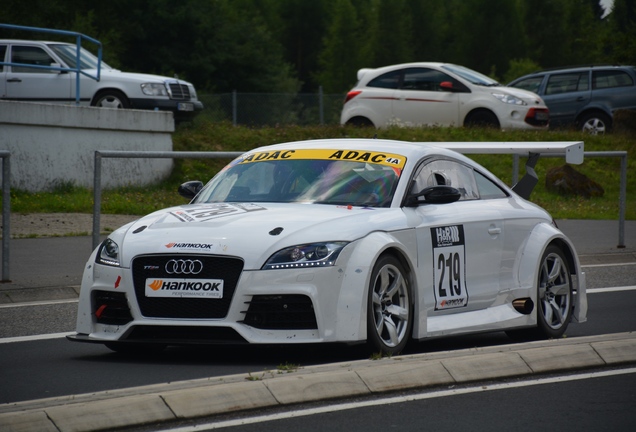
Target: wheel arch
x=103 y=90
x=479 y=110
x=594 y=110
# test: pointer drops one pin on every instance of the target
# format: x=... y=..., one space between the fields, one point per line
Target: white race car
x=343 y=240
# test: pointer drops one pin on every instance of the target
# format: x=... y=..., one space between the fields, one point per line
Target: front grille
x=175 y=335
x=111 y=308
x=281 y=312
x=214 y=267
x=179 y=91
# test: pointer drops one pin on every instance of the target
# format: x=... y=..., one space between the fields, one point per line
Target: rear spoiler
x=572 y=150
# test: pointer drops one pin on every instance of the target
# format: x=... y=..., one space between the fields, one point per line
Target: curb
x=221 y=395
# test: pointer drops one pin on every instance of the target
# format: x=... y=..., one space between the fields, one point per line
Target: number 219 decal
x=449 y=267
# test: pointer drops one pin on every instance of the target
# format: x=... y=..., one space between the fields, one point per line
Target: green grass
x=203 y=135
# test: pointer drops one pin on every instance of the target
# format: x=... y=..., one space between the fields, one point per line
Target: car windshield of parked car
x=365 y=179
x=472 y=76
x=68 y=53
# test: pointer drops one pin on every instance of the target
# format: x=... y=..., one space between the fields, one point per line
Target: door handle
x=14 y=80
x=494 y=230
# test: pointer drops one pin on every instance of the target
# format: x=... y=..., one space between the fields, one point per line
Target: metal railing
x=6 y=212
x=622 y=195
x=97 y=179
x=77 y=69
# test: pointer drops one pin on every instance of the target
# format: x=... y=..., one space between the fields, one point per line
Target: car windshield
x=356 y=178
x=472 y=76
x=68 y=53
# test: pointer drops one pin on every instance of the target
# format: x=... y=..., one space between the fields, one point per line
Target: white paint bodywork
x=504 y=243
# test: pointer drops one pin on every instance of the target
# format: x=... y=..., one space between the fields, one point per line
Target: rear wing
x=573 y=151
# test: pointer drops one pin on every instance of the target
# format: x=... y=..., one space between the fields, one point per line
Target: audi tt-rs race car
x=343 y=240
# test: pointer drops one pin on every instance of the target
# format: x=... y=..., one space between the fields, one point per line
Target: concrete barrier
x=54 y=145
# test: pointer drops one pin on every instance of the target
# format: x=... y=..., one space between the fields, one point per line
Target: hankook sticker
x=182 y=288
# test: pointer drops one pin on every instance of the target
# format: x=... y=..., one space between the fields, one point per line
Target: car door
x=421 y=100
x=459 y=244
x=565 y=95
x=29 y=83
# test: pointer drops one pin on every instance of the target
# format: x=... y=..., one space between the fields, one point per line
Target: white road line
x=35 y=337
x=397 y=399
x=608 y=265
x=610 y=289
x=38 y=303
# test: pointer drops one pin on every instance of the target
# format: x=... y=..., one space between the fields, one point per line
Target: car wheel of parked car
x=389 y=310
x=595 y=123
x=110 y=99
x=482 y=118
x=360 y=122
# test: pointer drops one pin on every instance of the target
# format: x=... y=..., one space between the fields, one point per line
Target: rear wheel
x=595 y=123
x=554 y=298
x=360 y=122
x=389 y=308
x=110 y=99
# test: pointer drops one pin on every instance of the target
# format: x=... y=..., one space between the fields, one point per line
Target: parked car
x=439 y=94
x=585 y=97
x=343 y=240
x=26 y=76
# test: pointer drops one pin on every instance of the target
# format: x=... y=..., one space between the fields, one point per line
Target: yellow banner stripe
x=374 y=157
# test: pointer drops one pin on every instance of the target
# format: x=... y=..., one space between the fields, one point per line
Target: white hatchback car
x=439 y=94
x=27 y=76
x=346 y=240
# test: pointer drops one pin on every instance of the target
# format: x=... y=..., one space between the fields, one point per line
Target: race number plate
x=184 y=288
x=449 y=267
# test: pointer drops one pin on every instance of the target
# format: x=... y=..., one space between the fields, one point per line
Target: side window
x=31 y=56
x=389 y=80
x=442 y=172
x=3 y=52
x=424 y=79
x=611 y=78
x=567 y=83
x=488 y=189
x=530 y=84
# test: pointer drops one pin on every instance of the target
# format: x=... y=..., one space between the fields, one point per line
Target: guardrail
x=78 y=41
x=230 y=155
x=6 y=212
x=622 y=196
x=97 y=179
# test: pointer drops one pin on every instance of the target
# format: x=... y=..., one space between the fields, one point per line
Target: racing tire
x=110 y=99
x=389 y=307
x=133 y=349
x=482 y=118
x=554 y=295
x=595 y=123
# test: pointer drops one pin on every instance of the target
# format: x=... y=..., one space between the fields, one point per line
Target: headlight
x=193 y=93
x=154 y=89
x=108 y=253
x=307 y=255
x=509 y=99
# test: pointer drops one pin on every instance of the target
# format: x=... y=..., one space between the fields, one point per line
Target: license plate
x=540 y=115
x=184 y=106
x=184 y=288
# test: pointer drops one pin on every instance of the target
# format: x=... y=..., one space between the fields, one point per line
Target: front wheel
x=111 y=99
x=389 y=307
x=482 y=118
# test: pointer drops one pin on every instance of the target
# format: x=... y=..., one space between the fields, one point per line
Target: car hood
x=522 y=94
x=252 y=231
x=108 y=73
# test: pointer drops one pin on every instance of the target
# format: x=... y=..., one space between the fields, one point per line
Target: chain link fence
x=271 y=109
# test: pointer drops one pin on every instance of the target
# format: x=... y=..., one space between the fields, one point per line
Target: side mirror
x=434 y=195
x=190 y=189
x=447 y=85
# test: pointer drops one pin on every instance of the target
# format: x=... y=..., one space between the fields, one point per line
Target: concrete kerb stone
x=207 y=397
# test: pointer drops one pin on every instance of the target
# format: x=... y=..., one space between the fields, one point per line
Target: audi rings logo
x=184 y=266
